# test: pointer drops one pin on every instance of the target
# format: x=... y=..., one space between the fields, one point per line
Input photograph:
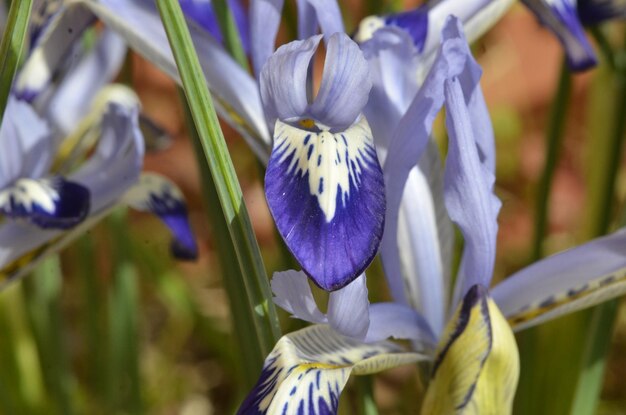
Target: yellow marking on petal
x=14 y=267
x=477 y=365
x=307 y=123
x=575 y=298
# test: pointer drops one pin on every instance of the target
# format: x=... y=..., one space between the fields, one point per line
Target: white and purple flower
x=465 y=331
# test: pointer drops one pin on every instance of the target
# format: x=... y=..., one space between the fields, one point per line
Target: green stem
x=11 y=46
x=604 y=45
x=603 y=316
x=230 y=32
x=258 y=294
x=554 y=141
x=232 y=278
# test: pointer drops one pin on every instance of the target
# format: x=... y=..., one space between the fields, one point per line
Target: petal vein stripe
x=307 y=370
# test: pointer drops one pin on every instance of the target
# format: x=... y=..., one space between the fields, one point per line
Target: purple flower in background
x=323 y=182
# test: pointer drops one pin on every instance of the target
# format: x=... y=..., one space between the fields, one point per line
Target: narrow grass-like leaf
x=11 y=46
x=233 y=278
x=258 y=295
x=602 y=318
x=43 y=305
x=123 y=325
x=230 y=32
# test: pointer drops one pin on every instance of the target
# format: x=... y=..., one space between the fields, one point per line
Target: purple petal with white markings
x=157 y=194
x=326 y=194
x=307 y=370
x=345 y=85
x=48 y=203
x=348 y=309
x=284 y=80
x=561 y=18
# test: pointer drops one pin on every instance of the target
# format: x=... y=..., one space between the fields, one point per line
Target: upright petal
x=264 y=23
x=283 y=80
x=73 y=97
x=407 y=145
x=26 y=147
x=328 y=16
x=326 y=194
x=469 y=193
x=393 y=62
x=563 y=283
x=560 y=17
x=293 y=294
x=159 y=195
x=345 y=85
x=477 y=364
x=308 y=369
x=348 y=309
x=44 y=62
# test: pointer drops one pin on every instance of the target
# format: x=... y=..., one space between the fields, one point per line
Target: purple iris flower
x=323 y=184
x=72 y=149
x=307 y=369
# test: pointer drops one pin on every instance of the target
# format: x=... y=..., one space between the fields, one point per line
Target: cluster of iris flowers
x=352 y=172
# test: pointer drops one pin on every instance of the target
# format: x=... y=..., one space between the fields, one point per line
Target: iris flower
x=565 y=18
x=73 y=150
x=465 y=333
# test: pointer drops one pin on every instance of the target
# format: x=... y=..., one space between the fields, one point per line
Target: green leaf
x=254 y=280
x=230 y=32
x=11 y=47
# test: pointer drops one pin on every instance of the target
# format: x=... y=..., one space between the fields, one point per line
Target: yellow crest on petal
x=477 y=364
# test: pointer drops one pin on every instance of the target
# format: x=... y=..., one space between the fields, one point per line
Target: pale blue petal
x=159 y=195
x=307 y=19
x=56 y=44
x=348 y=309
x=560 y=17
x=264 y=23
x=419 y=246
x=393 y=62
x=345 y=84
x=393 y=320
x=116 y=163
x=407 y=145
x=325 y=192
x=565 y=282
x=73 y=98
x=414 y=22
x=284 y=80
x=293 y=294
x=469 y=193
x=328 y=15
x=26 y=148
x=235 y=92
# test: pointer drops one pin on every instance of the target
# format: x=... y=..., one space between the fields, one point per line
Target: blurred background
x=115 y=326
